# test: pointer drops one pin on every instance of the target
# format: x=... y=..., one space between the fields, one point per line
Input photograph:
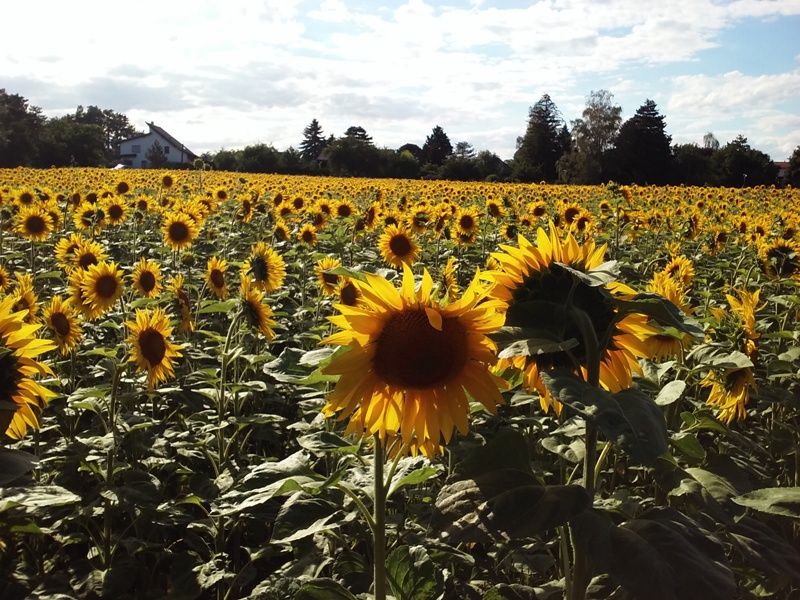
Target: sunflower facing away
x=182 y=304
x=265 y=267
x=256 y=313
x=146 y=278
x=539 y=291
x=62 y=320
x=19 y=348
x=152 y=350
x=411 y=362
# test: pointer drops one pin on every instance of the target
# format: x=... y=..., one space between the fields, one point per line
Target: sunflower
x=730 y=392
x=89 y=216
x=87 y=253
x=280 y=232
x=256 y=313
x=449 y=280
x=411 y=362
x=780 y=259
x=308 y=235
x=5 y=279
x=61 y=319
x=152 y=350
x=244 y=213
x=34 y=222
x=668 y=345
x=122 y=188
x=101 y=287
x=745 y=308
x=327 y=281
x=19 y=347
x=77 y=298
x=540 y=293
x=215 y=277
x=398 y=246
x=182 y=304
x=264 y=267
x=494 y=209
x=25 y=298
x=167 y=181
x=344 y=208
x=467 y=221
x=348 y=294
x=179 y=230
x=116 y=210
x=146 y=278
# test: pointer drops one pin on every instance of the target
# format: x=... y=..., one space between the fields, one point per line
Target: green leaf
x=629 y=418
x=688 y=444
x=763 y=547
x=663 y=555
x=671 y=392
x=661 y=310
x=344 y=272
x=37 y=497
x=14 y=463
x=217 y=307
x=504 y=503
x=321 y=442
x=716 y=357
x=323 y=589
x=515 y=591
x=600 y=276
x=412 y=574
x=782 y=501
x=303 y=515
x=535 y=346
x=407 y=475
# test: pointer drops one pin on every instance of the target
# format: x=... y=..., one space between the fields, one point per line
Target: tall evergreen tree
x=544 y=143
x=115 y=127
x=437 y=147
x=642 y=152
x=314 y=141
x=358 y=133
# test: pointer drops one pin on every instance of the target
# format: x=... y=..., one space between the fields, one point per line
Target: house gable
x=132 y=151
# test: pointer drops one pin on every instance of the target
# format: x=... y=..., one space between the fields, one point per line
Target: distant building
x=132 y=151
x=783 y=169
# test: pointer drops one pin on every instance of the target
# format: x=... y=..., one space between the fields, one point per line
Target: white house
x=132 y=151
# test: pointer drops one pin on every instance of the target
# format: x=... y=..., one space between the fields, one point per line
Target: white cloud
x=265 y=68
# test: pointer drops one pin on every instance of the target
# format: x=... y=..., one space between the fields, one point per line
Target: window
x=136 y=148
x=166 y=149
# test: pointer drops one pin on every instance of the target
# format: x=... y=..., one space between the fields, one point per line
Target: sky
x=230 y=73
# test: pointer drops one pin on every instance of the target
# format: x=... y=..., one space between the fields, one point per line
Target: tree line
x=595 y=148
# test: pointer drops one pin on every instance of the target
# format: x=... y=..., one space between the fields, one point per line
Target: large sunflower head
x=215 y=277
x=780 y=259
x=265 y=267
x=152 y=350
x=398 y=247
x=146 y=278
x=553 y=296
x=116 y=209
x=87 y=253
x=61 y=318
x=19 y=348
x=412 y=363
x=730 y=392
x=102 y=286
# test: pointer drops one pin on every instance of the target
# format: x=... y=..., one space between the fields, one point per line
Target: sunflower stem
x=581 y=568
x=379 y=519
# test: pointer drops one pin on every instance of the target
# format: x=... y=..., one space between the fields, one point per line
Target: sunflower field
x=216 y=385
